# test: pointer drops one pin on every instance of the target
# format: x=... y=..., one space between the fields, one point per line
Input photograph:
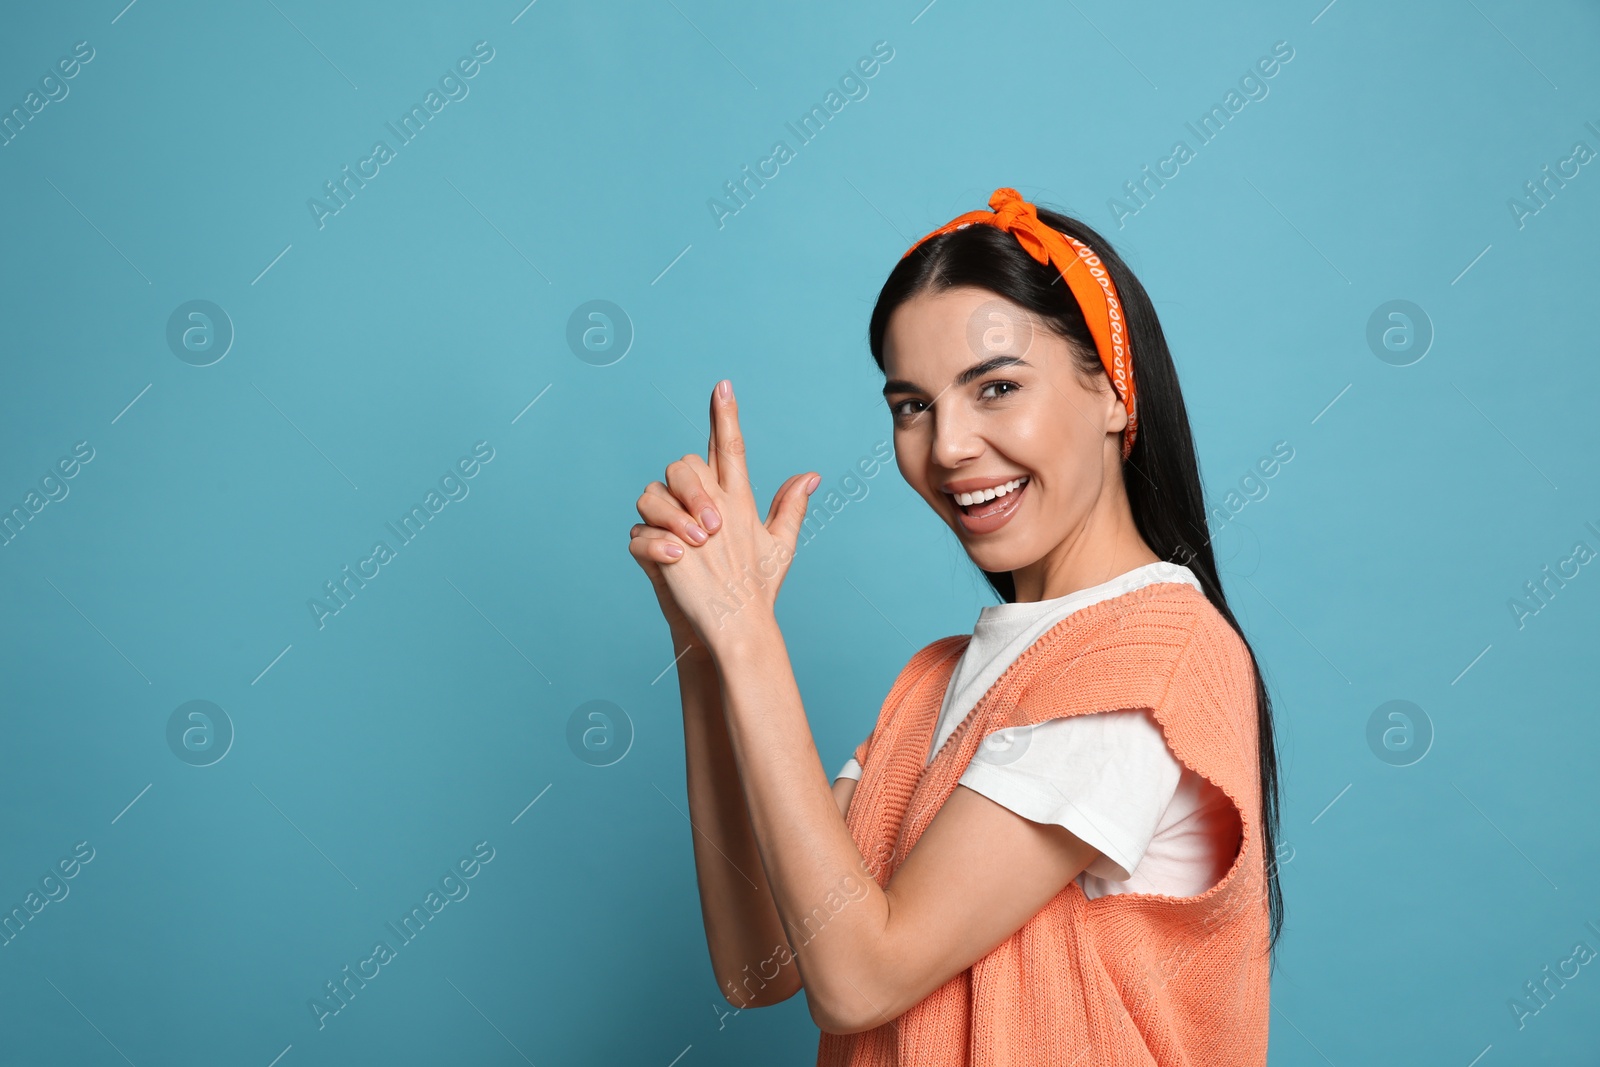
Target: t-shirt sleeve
x=1106 y=776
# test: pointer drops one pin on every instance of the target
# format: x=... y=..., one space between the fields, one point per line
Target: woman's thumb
x=792 y=513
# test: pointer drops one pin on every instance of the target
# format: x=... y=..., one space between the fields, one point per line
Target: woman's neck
x=1051 y=578
x=1105 y=545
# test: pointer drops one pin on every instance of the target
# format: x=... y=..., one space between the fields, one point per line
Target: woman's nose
x=955 y=438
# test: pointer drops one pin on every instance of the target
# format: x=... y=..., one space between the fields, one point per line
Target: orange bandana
x=1091 y=287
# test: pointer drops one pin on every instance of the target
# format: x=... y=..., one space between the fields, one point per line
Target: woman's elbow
x=828 y=1021
x=848 y=1013
x=747 y=990
x=831 y=1022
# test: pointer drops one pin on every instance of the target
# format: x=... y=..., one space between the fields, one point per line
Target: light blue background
x=373 y=753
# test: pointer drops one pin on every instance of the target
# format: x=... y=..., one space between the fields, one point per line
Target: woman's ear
x=1099 y=382
x=1117 y=419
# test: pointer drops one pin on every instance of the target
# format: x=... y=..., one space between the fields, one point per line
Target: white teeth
x=978 y=497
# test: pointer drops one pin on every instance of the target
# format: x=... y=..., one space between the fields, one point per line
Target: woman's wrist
x=699 y=681
x=755 y=644
x=690 y=651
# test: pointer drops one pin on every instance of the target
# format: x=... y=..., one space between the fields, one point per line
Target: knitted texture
x=1125 y=979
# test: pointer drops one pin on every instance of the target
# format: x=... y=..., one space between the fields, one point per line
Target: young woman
x=1058 y=844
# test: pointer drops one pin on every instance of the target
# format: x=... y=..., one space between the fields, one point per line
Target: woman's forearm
x=750 y=953
x=820 y=884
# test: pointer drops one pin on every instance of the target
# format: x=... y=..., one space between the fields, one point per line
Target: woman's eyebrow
x=977 y=370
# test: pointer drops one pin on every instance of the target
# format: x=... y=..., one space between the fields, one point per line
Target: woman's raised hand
x=702 y=544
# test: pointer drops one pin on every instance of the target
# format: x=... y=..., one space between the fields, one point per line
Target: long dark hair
x=1161 y=473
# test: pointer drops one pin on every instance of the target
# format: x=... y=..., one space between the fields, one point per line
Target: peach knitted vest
x=1125 y=979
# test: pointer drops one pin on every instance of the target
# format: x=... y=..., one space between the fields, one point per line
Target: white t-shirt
x=1107 y=776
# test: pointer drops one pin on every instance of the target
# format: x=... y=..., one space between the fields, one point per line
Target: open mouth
x=989 y=501
x=988 y=510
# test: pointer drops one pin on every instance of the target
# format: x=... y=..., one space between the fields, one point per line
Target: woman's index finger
x=727 y=441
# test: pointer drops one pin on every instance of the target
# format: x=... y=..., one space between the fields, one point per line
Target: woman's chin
x=997 y=562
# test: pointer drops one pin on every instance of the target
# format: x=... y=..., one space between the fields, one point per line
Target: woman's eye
x=1011 y=387
x=899 y=410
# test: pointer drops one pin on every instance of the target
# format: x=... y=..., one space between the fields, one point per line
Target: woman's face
x=982 y=396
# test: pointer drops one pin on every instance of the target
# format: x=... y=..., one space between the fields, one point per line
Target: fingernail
x=696 y=534
x=812 y=483
x=725 y=387
x=710 y=518
x=673 y=550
